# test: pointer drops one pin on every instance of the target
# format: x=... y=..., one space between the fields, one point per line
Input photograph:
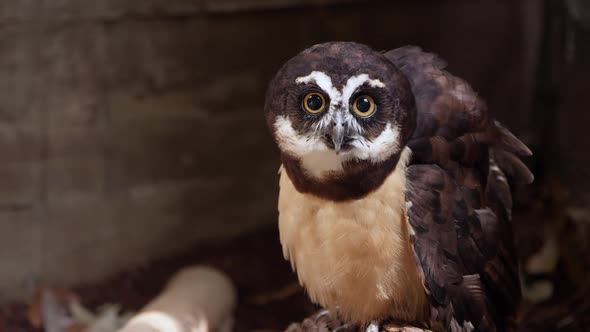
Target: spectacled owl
x=394 y=203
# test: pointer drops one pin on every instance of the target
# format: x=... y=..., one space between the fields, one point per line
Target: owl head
x=340 y=113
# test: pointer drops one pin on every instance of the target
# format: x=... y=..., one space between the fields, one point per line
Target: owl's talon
x=373 y=327
x=342 y=327
x=322 y=313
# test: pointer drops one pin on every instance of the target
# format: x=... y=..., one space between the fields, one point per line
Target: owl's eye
x=363 y=106
x=314 y=102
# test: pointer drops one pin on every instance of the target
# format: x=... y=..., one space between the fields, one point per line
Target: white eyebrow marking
x=339 y=98
x=352 y=84
x=355 y=82
x=324 y=82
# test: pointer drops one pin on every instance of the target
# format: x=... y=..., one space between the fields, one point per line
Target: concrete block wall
x=131 y=129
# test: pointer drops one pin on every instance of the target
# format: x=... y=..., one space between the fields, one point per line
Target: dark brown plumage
x=456 y=183
x=461 y=201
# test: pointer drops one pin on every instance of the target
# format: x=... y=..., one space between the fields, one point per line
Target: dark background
x=133 y=140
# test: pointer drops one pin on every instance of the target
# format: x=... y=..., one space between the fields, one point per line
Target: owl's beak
x=338 y=133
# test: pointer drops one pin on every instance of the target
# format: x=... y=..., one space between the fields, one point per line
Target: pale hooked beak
x=338 y=132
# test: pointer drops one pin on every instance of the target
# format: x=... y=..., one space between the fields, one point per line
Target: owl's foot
x=323 y=321
x=343 y=328
x=401 y=328
x=404 y=329
x=372 y=327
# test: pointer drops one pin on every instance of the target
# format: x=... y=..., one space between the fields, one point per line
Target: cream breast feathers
x=354 y=252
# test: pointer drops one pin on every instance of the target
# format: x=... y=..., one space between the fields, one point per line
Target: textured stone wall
x=130 y=129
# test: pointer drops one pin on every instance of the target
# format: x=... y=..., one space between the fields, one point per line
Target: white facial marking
x=338 y=98
x=355 y=82
x=316 y=158
x=379 y=149
x=289 y=140
x=352 y=122
x=351 y=86
x=323 y=81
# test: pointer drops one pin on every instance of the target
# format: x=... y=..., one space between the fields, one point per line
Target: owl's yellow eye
x=314 y=102
x=363 y=106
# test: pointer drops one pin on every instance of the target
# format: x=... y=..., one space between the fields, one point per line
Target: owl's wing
x=460 y=200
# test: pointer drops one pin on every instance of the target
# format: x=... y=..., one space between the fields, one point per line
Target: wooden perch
x=197 y=299
x=325 y=321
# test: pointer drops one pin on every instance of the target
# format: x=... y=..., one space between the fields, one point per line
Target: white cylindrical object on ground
x=196 y=299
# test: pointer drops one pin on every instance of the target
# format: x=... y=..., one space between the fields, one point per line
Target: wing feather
x=461 y=201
